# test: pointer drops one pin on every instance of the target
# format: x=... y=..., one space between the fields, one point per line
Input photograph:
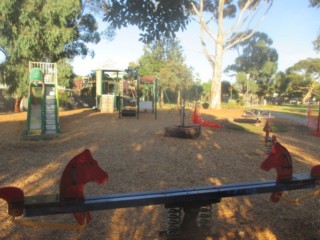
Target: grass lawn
x=296 y=110
x=290 y=109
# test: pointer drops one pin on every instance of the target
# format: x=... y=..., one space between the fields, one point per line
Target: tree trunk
x=179 y=98
x=17 y=104
x=309 y=93
x=215 y=96
x=161 y=100
x=306 y=97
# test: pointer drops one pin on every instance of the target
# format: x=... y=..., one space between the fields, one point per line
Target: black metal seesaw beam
x=51 y=204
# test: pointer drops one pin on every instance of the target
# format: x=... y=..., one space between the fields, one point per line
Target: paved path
x=299 y=120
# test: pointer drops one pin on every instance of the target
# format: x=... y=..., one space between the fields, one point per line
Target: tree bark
x=309 y=93
x=161 y=100
x=17 y=104
x=215 y=96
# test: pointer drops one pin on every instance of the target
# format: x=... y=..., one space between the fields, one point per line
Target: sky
x=291 y=24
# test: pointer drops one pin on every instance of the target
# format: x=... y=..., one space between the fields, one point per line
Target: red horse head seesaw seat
x=280 y=159
x=80 y=170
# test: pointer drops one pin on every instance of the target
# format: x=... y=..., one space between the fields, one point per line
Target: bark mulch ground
x=138 y=157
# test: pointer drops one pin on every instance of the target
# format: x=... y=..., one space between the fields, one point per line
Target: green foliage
x=164 y=60
x=206 y=91
x=315 y=3
x=153 y=60
x=297 y=86
x=131 y=71
x=65 y=74
x=225 y=87
x=258 y=59
x=316 y=43
x=41 y=30
x=304 y=77
x=157 y=19
x=162 y=18
x=244 y=83
x=309 y=67
x=241 y=82
x=195 y=92
x=63 y=99
x=302 y=80
x=281 y=83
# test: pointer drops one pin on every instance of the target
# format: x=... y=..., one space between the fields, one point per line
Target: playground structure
x=147 y=95
x=107 y=89
x=80 y=170
x=139 y=95
x=129 y=97
x=43 y=104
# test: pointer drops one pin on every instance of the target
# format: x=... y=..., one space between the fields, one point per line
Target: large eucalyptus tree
x=158 y=18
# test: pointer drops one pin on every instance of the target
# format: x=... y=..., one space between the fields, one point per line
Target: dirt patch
x=138 y=157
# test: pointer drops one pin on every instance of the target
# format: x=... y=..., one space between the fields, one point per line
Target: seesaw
x=186 y=206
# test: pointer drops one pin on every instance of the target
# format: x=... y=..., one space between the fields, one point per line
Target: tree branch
x=81 y=14
x=205 y=48
x=202 y=21
x=204 y=28
x=235 y=39
x=239 y=20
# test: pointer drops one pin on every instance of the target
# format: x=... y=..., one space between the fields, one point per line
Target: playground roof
x=109 y=70
x=147 y=79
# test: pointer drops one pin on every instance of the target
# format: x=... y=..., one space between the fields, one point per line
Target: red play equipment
x=280 y=159
x=196 y=119
x=79 y=171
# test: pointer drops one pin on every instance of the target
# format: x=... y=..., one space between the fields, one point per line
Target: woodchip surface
x=138 y=157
